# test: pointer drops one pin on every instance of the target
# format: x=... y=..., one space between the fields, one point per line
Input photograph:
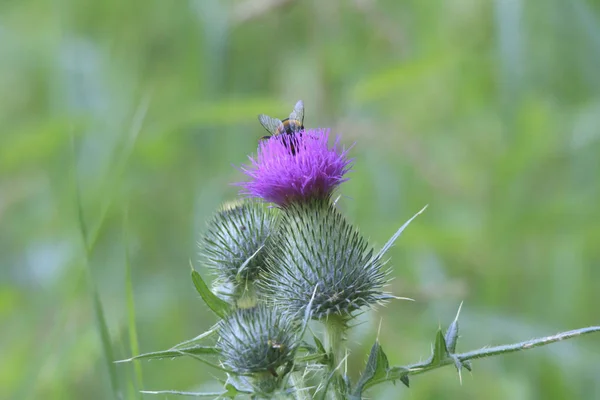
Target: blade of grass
x=97 y=304
x=106 y=344
x=119 y=170
x=133 y=337
x=127 y=377
x=89 y=237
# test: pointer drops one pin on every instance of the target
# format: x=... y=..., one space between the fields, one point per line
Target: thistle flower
x=316 y=247
x=299 y=167
x=258 y=339
x=233 y=245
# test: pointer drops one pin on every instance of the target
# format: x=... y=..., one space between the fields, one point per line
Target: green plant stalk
x=335 y=328
x=395 y=373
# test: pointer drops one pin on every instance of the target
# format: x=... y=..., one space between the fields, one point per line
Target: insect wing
x=272 y=125
x=298 y=113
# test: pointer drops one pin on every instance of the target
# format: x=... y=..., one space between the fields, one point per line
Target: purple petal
x=296 y=168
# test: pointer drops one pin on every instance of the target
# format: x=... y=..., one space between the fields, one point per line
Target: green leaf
x=467 y=365
x=452 y=333
x=231 y=393
x=319 y=345
x=218 y=306
x=315 y=353
x=314 y=357
x=376 y=368
x=335 y=379
x=451 y=336
x=404 y=379
x=440 y=351
x=173 y=353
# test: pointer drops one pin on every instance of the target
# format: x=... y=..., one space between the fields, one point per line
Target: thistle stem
x=335 y=328
x=396 y=373
x=511 y=348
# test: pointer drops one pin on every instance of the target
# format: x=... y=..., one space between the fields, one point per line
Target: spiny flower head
x=235 y=238
x=296 y=168
x=258 y=339
x=316 y=248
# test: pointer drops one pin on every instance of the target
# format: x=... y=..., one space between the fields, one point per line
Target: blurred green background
x=488 y=111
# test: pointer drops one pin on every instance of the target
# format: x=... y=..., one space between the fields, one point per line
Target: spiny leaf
x=376 y=368
x=452 y=333
x=218 y=306
x=314 y=357
x=321 y=350
x=173 y=353
x=440 y=351
x=467 y=365
x=404 y=379
x=313 y=353
x=319 y=345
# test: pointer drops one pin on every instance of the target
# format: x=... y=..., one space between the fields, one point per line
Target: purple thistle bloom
x=294 y=168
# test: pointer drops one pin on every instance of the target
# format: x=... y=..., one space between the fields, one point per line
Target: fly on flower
x=292 y=125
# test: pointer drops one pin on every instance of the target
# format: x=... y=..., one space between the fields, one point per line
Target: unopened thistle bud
x=258 y=340
x=316 y=248
x=233 y=245
x=296 y=168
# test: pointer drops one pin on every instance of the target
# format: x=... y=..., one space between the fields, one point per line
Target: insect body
x=291 y=125
x=274 y=345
